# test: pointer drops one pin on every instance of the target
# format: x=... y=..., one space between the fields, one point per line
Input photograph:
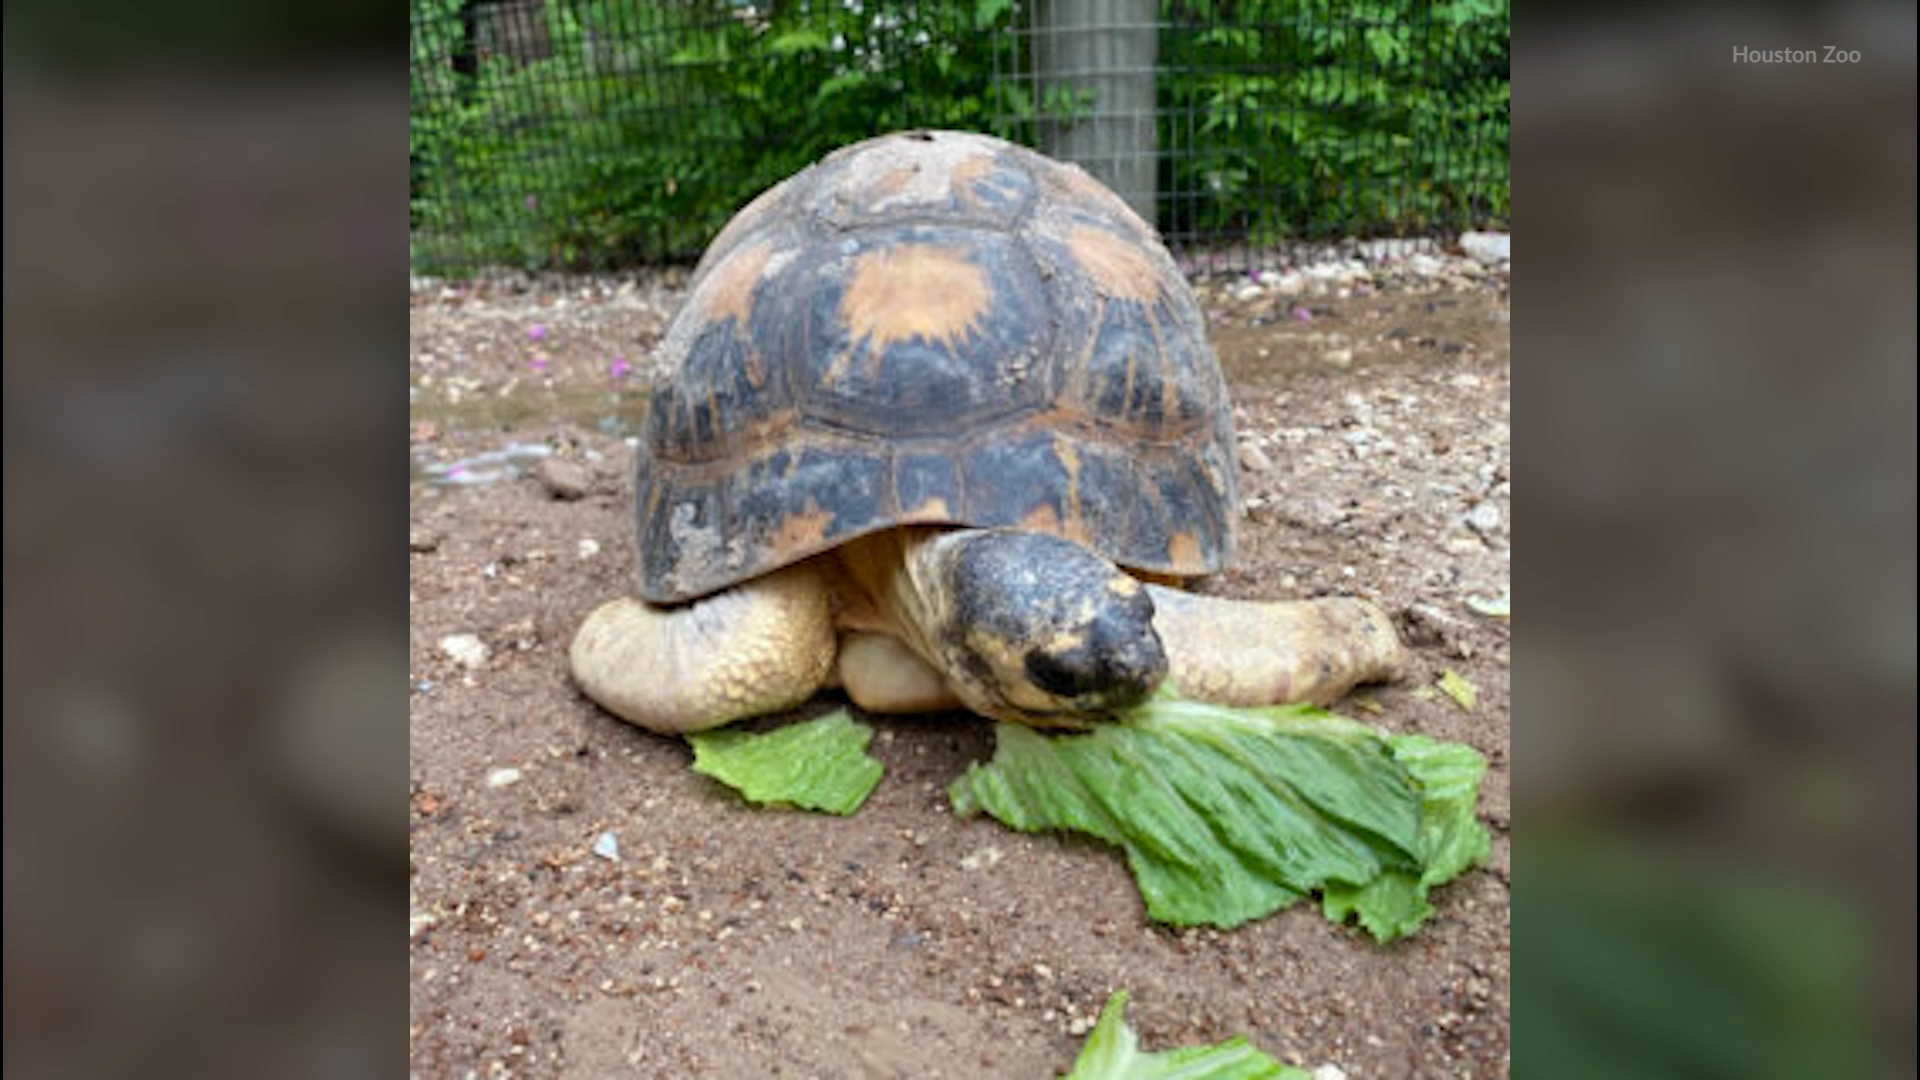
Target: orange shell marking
x=913 y=291
x=728 y=287
x=1183 y=550
x=1116 y=267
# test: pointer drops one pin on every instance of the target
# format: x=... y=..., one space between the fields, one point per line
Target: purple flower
x=619 y=368
x=538 y=363
x=1301 y=314
x=537 y=332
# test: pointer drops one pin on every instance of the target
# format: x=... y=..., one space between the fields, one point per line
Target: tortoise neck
x=896 y=575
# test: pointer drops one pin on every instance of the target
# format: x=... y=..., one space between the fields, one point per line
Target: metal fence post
x=1100 y=55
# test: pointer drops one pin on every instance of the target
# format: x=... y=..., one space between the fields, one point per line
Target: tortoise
x=944 y=430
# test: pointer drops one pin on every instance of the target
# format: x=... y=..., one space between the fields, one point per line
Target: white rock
x=607 y=846
x=986 y=857
x=589 y=548
x=467 y=650
x=503 y=777
x=1329 y=1071
x=1487 y=247
x=1484 y=517
x=1388 y=250
x=1339 y=358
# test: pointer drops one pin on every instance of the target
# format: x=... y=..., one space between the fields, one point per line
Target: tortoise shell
x=933 y=327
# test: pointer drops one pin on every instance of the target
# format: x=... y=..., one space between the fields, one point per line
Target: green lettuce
x=1228 y=815
x=821 y=764
x=1112 y=1053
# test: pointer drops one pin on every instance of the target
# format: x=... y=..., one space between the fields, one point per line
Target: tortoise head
x=1037 y=629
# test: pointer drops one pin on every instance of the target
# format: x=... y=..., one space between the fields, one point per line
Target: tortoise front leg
x=1246 y=652
x=757 y=648
x=882 y=675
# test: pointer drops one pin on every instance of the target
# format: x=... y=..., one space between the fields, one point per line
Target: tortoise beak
x=1115 y=665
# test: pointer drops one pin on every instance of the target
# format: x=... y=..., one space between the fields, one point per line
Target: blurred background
x=205 y=616
x=1714 y=693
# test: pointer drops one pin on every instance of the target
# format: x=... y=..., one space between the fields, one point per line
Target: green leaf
x=840 y=84
x=986 y=11
x=1448 y=776
x=1390 y=906
x=1499 y=607
x=817 y=765
x=1456 y=686
x=799 y=40
x=1112 y=1052
x=1228 y=815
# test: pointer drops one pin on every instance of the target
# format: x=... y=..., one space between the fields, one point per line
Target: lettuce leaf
x=820 y=764
x=1112 y=1052
x=1228 y=815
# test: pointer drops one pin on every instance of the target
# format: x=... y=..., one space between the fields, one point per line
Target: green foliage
x=1310 y=117
x=633 y=129
x=653 y=121
x=1228 y=815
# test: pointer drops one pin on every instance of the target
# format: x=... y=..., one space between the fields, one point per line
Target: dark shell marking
x=934 y=328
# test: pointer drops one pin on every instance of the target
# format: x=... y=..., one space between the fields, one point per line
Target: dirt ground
x=903 y=942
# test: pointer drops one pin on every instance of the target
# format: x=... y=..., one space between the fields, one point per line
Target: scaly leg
x=1247 y=652
x=760 y=647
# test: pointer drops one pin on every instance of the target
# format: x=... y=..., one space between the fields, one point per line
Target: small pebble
x=1254 y=459
x=563 y=479
x=503 y=777
x=422 y=541
x=607 y=847
x=1329 y=1071
x=1484 y=517
x=1487 y=247
x=467 y=650
x=985 y=857
x=589 y=548
x=1339 y=358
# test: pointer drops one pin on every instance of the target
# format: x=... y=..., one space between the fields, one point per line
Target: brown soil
x=904 y=942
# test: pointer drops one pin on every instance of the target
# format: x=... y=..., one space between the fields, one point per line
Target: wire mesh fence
x=601 y=133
